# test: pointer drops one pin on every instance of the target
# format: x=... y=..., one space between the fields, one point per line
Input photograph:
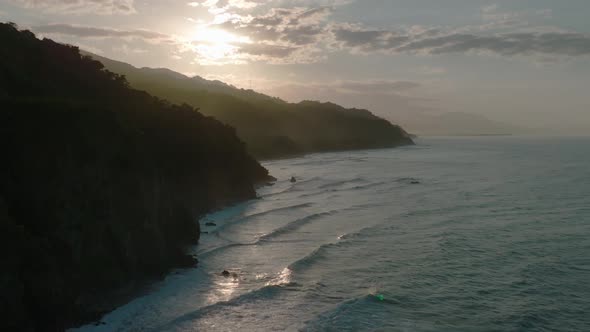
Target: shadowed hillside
x=269 y=126
x=100 y=184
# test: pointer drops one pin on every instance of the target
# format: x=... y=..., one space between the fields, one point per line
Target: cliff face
x=100 y=185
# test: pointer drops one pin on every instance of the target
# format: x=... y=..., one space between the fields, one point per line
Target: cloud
x=220 y=6
x=494 y=13
x=81 y=6
x=295 y=26
x=266 y=50
x=307 y=34
x=280 y=35
x=436 y=42
x=375 y=87
x=525 y=43
x=502 y=33
x=300 y=28
x=126 y=49
x=208 y=53
x=278 y=31
x=94 y=32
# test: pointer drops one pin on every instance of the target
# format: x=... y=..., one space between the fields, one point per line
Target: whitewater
x=452 y=234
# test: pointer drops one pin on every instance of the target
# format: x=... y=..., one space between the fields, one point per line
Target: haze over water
x=469 y=234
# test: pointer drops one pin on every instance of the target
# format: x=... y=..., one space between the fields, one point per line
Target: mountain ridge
x=270 y=126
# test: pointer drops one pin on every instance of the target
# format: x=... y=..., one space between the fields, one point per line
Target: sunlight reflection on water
x=224 y=288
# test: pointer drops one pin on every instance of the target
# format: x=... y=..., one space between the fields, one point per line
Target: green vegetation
x=269 y=126
x=100 y=184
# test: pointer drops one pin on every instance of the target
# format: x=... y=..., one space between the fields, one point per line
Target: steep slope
x=269 y=126
x=100 y=184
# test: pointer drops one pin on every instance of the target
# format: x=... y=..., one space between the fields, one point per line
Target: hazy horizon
x=524 y=63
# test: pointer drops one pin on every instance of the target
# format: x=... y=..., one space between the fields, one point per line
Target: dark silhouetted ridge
x=100 y=184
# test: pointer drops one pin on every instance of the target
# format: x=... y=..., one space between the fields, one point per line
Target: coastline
x=95 y=306
x=111 y=301
x=409 y=142
x=139 y=288
x=106 y=302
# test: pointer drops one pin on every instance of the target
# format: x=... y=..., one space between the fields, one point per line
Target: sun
x=216 y=45
x=215 y=36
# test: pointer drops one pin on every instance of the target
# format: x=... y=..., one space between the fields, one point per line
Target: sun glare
x=215 y=36
x=216 y=45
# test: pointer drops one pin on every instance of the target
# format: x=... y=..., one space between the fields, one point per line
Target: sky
x=525 y=63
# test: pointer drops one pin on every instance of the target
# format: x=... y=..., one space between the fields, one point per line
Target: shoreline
x=309 y=153
x=139 y=288
x=113 y=300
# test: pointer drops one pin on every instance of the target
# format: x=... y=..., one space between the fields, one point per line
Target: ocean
x=452 y=234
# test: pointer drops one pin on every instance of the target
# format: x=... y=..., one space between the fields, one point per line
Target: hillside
x=269 y=126
x=100 y=185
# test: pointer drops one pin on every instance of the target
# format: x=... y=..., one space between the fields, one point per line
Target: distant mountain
x=455 y=124
x=270 y=126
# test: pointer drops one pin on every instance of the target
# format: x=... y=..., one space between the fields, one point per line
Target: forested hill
x=100 y=184
x=270 y=126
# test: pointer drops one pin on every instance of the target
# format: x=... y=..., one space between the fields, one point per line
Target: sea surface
x=453 y=234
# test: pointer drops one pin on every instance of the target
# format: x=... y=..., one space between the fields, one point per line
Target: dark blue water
x=454 y=234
